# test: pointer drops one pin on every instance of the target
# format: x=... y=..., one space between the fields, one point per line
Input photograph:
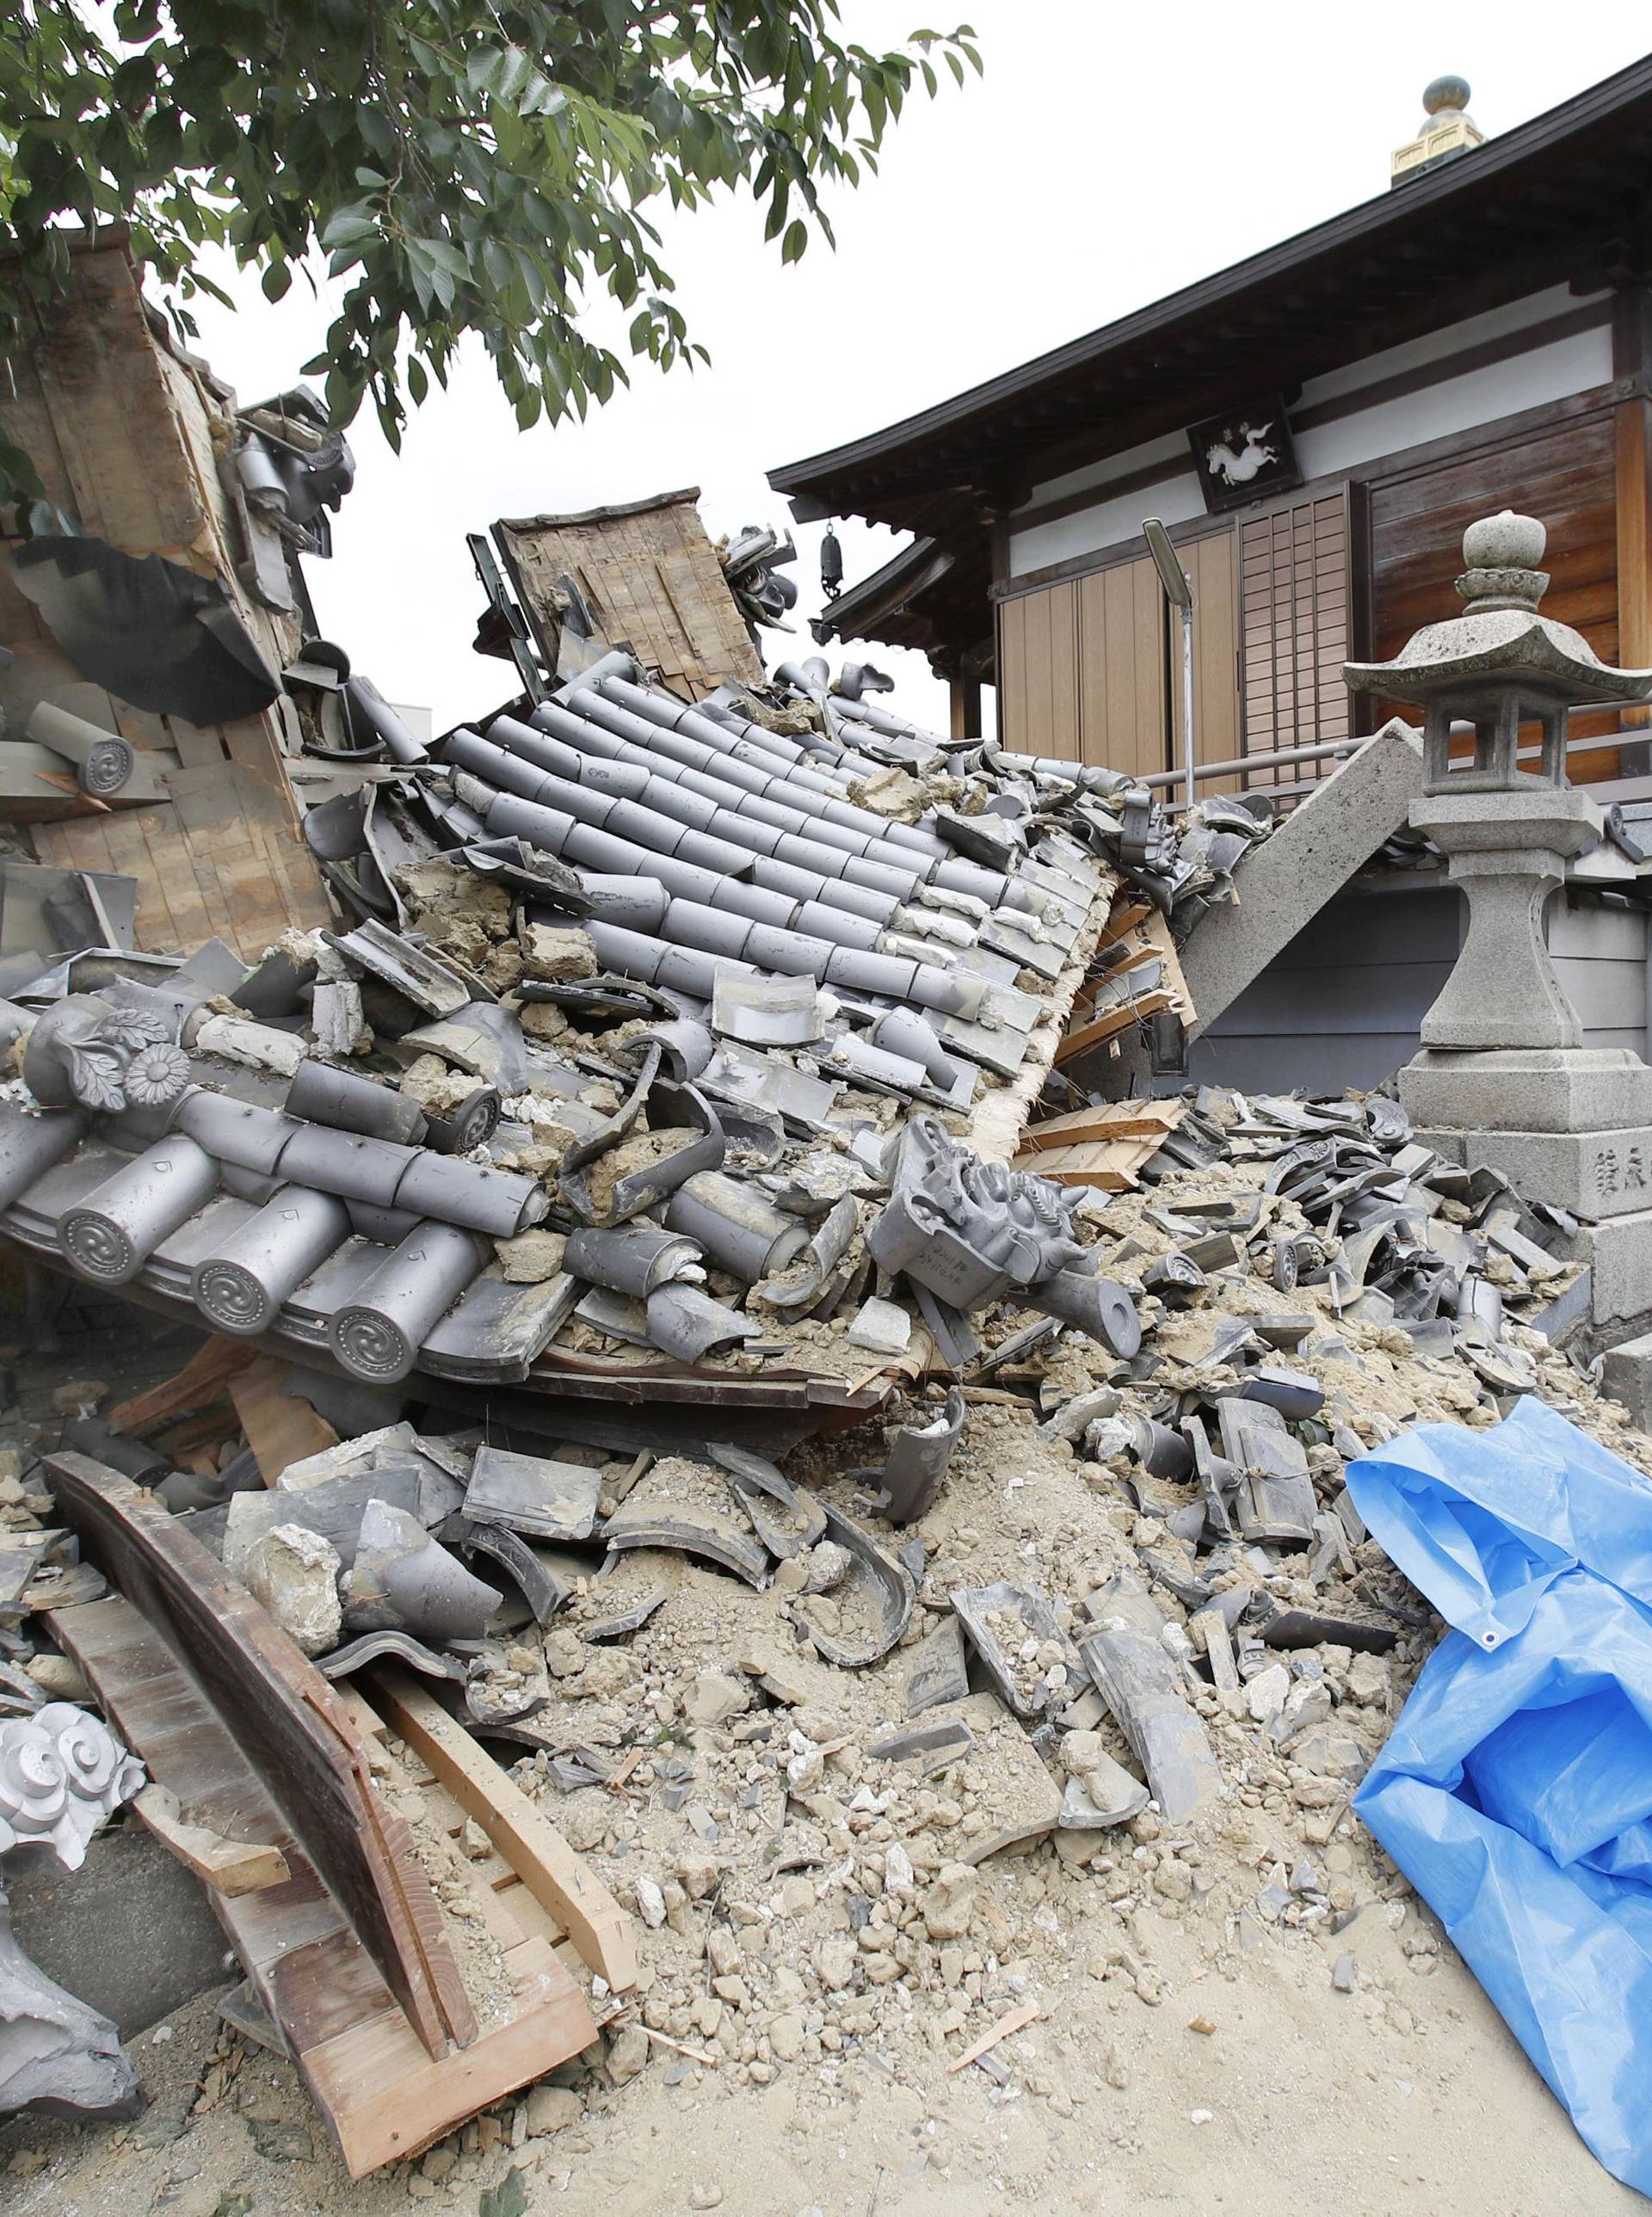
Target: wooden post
x=966 y=707
x=1631 y=363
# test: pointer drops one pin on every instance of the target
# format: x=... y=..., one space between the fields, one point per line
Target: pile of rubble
x=1106 y=1593
x=710 y=1032
x=637 y=1002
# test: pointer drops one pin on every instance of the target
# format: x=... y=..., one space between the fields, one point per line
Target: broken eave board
x=294 y=1736
x=381 y=2093
x=1104 y=1146
x=1108 y=1006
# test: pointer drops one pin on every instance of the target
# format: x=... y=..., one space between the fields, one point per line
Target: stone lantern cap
x=1500 y=640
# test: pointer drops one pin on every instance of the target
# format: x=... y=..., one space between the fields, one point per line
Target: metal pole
x=1188 y=772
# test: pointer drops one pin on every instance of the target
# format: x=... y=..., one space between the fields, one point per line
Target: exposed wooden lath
x=122 y=430
x=652 y=580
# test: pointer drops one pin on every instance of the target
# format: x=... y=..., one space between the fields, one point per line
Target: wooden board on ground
x=1106 y=1147
x=380 y=2092
x=228 y=1866
x=287 y=1722
x=532 y=1846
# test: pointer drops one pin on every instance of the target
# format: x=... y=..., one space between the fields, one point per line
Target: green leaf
x=350 y=226
x=471 y=168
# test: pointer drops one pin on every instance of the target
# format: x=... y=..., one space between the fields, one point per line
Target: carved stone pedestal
x=1508 y=851
x=1503 y=1079
x=1579 y=1089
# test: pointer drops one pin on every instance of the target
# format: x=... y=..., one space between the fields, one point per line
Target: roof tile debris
x=690 y=993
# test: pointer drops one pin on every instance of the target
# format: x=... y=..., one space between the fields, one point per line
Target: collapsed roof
x=686 y=1029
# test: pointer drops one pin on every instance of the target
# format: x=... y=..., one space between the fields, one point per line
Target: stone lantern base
x=1572 y=1125
x=1529 y=1091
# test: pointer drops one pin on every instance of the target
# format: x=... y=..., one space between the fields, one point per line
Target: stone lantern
x=1503 y=1078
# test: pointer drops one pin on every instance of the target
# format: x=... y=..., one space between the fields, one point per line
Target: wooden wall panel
x=122 y=432
x=1038 y=673
x=1212 y=565
x=653 y=581
x=1121 y=669
x=1087 y=669
x=1566 y=477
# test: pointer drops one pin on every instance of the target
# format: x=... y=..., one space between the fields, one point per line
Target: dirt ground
x=1191 y=2052
x=1314 y=2099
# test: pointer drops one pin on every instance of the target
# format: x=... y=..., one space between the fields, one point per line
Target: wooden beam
x=530 y=1842
x=1631 y=350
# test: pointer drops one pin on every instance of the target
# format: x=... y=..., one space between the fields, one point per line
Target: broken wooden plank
x=226 y=1866
x=280 y=1427
x=530 y=1842
x=1103 y=1121
x=1098 y=1030
x=1013 y=2021
x=291 y=1729
x=203 y=1378
x=380 y=2093
x=1109 y=1170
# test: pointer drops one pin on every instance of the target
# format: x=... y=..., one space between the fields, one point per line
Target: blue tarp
x=1515 y=1791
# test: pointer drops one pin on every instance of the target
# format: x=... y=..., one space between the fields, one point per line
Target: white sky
x=1108 y=157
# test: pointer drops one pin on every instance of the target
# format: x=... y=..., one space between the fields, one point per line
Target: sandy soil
x=1317 y=2100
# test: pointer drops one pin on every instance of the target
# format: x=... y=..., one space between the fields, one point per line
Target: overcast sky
x=1109 y=156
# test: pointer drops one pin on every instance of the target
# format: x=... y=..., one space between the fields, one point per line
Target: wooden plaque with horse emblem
x=1245 y=455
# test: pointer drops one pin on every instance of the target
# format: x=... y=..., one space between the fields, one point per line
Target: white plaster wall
x=1177 y=499
x=1457 y=404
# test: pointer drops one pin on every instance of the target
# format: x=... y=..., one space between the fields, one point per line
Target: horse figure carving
x=1239 y=467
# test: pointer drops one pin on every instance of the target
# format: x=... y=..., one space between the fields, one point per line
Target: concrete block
x=1626 y=1374
x=1579 y=1089
x=1619 y=1253
x=130 y=1933
x=1285 y=883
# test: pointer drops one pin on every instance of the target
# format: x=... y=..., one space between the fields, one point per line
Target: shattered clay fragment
x=533 y=1495
x=789 y=1523
x=882 y=1581
x=1126 y=1657
x=1028 y=1657
x=919 y=1458
x=693 y=1530
x=938 y=1673
x=403 y=1581
x=393 y=1646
